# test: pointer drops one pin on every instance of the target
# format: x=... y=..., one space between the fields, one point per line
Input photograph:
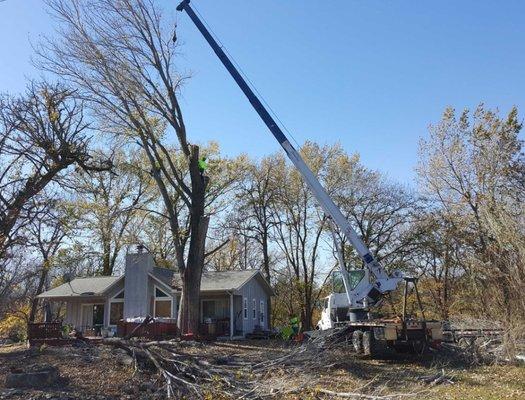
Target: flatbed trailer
x=466 y=336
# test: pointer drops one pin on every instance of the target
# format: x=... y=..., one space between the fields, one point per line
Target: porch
x=221 y=316
x=90 y=317
x=53 y=334
x=59 y=334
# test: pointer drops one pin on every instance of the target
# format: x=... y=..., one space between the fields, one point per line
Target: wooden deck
x=154 y=330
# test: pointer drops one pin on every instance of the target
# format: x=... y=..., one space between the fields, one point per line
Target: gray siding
x=251 y=290
x=137 y=300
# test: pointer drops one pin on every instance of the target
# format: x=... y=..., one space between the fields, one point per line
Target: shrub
x=14 y=327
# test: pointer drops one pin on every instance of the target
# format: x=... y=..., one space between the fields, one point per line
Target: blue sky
x=370 y=74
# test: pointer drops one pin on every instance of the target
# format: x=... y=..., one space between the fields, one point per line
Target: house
x=145 y=289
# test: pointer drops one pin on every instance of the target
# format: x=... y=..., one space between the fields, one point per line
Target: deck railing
x=215 y=328
x=153 y=330
x=44 y=330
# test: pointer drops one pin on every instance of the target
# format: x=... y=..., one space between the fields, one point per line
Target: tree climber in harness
x=203 y=166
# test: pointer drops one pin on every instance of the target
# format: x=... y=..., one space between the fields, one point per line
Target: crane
x=365 y=287
x=365 y=294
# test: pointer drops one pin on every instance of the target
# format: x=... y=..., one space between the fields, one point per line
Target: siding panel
x=254 y=290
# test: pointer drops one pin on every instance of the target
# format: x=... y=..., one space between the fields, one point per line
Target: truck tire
x=419 y=347
x=357 y=341
x=368 y=341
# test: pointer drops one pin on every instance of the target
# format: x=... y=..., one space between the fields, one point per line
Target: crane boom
x=383 y=283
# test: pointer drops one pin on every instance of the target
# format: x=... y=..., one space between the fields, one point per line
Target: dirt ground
x=98 y=373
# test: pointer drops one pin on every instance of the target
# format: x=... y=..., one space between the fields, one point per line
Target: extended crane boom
x=364 y=294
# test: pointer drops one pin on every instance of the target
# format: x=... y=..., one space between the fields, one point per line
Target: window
x=116 y=308
x=261 y=312
x=355 y=276
x=208 y=309
x=254 y=311
x=163 y=309
x=92 y=315
x=162 y=304
x=215 y=309
x=245 y=308
x=116 y=312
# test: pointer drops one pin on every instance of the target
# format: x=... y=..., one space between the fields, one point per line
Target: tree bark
x=107 y=267
x=191 y=273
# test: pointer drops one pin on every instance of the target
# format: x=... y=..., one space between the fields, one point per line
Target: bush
x=14 y=328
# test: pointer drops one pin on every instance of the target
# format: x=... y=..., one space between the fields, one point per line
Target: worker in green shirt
x=295 y=324
x=203 y=166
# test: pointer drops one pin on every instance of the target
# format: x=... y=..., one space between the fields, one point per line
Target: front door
x=98 y=315
x=92 y=316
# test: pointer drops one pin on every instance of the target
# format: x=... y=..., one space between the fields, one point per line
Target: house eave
x=166 y=286
x=96 y=296
x=254 y=275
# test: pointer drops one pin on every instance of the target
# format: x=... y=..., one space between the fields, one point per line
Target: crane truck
x=363 y=288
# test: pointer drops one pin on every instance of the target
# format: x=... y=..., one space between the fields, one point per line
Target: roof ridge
x=91 y=277
x=237 y=270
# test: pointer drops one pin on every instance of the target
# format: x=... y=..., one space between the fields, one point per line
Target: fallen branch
x=437 y=379
x=184 y=375
x=146 y=321
x=355 y=395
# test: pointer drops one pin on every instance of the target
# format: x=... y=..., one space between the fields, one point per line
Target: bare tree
x=300 y=225
x=381 y=212
x=107 y=205
x=120 y=55
x=45 y=234
x=437 y=251
x=251 y=218
x=222 y=176
x=41 y=134
x=468 y=166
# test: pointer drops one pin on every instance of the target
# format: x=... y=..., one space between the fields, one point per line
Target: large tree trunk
x=189 y=310
x=107 y=268
x=192 y=272
x=266 y=256
x=190 y=302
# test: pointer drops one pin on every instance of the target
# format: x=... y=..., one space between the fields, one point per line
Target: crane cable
x=252 y=85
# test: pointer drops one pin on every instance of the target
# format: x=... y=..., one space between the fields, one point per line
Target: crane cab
x=336 y=306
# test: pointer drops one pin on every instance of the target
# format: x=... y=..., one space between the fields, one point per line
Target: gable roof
x=212 y=281
x=216 y=281
x=164 y=275
x=83 y=287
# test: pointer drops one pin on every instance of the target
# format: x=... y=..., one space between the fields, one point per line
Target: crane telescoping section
x=366 y=294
